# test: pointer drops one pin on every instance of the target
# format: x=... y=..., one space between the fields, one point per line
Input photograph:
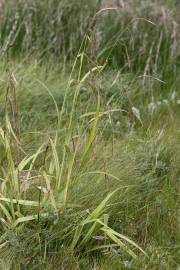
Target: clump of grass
x=74 y=201
x=93 y=176
x=41 y=189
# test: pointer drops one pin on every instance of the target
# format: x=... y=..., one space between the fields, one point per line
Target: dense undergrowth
x=89 y=135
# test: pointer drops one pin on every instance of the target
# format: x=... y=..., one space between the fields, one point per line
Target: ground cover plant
x=89 y=135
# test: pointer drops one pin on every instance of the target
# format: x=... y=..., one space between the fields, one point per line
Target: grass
x=89 y=149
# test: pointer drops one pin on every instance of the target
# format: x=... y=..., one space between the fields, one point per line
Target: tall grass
x=89 y=151
x=79 y=192
x=124 y=35
x=42 y=193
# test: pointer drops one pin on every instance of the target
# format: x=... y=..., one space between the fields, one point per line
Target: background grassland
x=89 y=135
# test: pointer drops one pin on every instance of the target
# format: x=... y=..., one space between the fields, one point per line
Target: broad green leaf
x=21 y=202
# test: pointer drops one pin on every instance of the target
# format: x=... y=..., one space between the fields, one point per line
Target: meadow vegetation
x=89 y=135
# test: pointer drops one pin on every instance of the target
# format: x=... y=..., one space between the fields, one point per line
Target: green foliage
x=89 y=150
